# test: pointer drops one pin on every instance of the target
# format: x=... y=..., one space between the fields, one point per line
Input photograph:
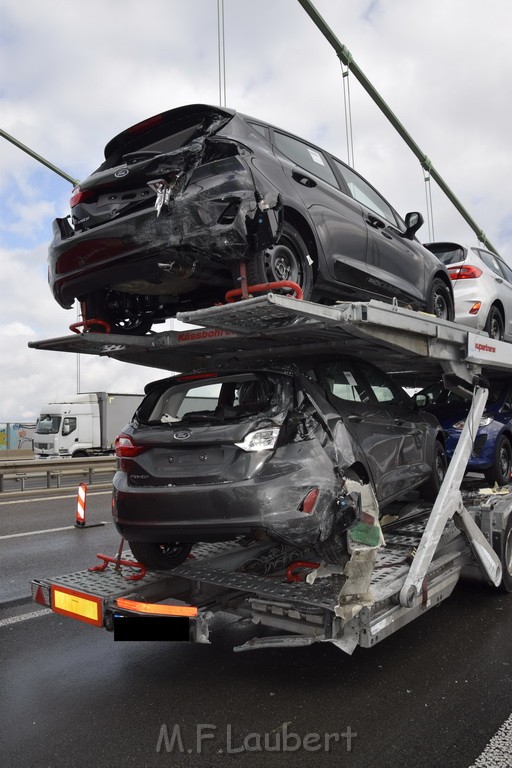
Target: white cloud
x=82 y=74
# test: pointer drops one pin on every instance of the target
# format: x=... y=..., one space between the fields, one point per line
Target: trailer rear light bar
x=156 y=608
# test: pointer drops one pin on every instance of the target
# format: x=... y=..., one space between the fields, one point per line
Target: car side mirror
x=413 y=222
x=420 y=401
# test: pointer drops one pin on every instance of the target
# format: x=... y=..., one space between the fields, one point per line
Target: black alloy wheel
x=440 y=302
x=160 y=557
x=495 y=325
x=123 y=312
x=500 y=471
x=431 y=486
x=287 y=260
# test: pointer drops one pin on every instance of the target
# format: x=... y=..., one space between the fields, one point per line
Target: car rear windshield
x=159 y=134
x=213 y=400
x=448 y=253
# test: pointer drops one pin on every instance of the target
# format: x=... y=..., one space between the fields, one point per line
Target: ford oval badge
x=182 y=435
x=122 y=172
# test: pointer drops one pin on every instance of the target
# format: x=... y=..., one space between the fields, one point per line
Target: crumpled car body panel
x=184 y=196
x=195 y=479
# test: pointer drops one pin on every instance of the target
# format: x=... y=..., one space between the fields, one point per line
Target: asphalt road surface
x=432 y=695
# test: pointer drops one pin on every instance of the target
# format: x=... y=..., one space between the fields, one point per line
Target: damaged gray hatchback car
x=192 y=202
x=280 y=454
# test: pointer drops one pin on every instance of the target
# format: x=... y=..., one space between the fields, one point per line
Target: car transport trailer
x=291 y=598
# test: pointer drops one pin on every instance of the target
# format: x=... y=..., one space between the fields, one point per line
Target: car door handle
x=374 y=222
x=301 y=177
x=498 y=279
x=355 y=419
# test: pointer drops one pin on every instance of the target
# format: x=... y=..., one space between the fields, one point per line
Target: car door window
x=365 y=194
x=507 y=272
x=341 y=379
x=490 y=261
x=383 y=388
x=309 y=158
x=262 y=129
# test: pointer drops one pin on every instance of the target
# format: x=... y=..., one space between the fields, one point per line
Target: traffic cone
x=81 y=501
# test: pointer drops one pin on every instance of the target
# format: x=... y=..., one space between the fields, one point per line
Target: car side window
x=384 y=389
x=262 y=129
x=490 y=261
x=507 y=272
x=340 y=379
x=309 y=158
x=363 y=193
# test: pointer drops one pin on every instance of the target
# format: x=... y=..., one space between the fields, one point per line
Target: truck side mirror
x=420 y=401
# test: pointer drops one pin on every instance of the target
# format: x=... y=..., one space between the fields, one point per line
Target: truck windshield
x=48 y=425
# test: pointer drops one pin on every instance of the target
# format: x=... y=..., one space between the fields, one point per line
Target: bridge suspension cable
x=346 y=57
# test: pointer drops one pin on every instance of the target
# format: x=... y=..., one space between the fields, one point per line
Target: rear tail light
x=309 y=501
x=80 y=195
x=127 y=448
x=146 y=124
x=260 y=440
x=197 y=376
x=467 y=272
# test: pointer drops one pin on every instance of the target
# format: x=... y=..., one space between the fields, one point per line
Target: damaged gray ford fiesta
x=279 y=453
x=191 y=202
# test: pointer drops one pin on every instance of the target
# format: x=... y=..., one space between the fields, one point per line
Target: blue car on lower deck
x=492 y=448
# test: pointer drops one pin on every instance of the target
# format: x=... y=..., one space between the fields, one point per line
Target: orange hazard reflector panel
x=78 y=605
x=156 y=608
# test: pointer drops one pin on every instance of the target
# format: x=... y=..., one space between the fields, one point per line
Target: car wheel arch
x=305 y=230
x=361 y=471
x=498 y=304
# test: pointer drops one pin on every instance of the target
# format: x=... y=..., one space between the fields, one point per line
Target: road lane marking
x=24 y=617
x=36 y=533
x=55 y=498
x=498 y=751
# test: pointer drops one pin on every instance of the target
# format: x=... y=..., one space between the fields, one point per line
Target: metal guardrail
x=54 y=469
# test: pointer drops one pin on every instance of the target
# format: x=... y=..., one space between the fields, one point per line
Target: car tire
x=288 y=259
x=112 y=307
x=495 y=325
x=500 y=471
x=160 y=557
x=504 y=552
x=440 y=301
x=430 y=487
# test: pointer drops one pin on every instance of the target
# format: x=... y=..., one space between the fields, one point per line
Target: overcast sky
x=75 y=74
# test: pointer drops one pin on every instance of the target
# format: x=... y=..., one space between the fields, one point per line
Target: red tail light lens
x=80 y=195
x=467 y=272
x=309 y=501
x=146 y=124
x=126 y=448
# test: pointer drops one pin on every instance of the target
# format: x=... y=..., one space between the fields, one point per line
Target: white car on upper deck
x=482 y=287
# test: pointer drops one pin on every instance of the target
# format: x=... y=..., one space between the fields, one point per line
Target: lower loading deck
x=252 y=582
x=382 y=587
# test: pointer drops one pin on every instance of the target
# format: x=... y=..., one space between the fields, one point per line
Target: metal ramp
x=415 y=346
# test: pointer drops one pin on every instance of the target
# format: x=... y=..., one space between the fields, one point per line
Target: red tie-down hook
x=86 y=325
x=232 y=295
x=291 y=576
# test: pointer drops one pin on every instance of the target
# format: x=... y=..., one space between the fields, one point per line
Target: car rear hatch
x=165 y=147
x=194 y=431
